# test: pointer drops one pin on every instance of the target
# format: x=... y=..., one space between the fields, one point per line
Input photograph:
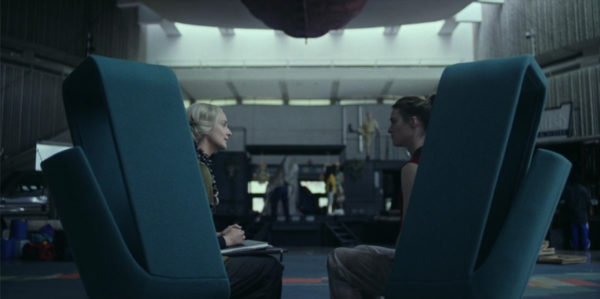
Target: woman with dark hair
x=256 y=276
x=408 y=124
x=362 y=271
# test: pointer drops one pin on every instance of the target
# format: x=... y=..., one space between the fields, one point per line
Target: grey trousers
x=254 y=277
x=359 y=272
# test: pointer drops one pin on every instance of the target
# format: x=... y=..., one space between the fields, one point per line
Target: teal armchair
x=130 y=193
x=483 y=197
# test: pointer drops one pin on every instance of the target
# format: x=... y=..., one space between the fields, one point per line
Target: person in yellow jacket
x=330 y=186
x=368 y=128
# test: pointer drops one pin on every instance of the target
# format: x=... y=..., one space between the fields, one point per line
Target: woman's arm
x=409 y=172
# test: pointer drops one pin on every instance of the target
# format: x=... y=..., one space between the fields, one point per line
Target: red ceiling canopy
x=305 y=18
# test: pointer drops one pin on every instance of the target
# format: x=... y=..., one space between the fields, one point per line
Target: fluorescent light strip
x=358 y=102
x=274 y=102
x=219 y=102
x=311 y=102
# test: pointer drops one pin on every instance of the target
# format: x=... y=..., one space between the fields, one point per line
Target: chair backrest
x=509 y=263
x=478 y=150
x=129 y=120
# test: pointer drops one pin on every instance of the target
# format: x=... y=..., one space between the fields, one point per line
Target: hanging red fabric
x=305 y=18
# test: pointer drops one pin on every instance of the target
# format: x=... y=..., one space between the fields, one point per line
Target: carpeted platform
x=305 y=276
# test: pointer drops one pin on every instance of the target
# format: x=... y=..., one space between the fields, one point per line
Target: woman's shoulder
x=204 y=168
x=206 y=175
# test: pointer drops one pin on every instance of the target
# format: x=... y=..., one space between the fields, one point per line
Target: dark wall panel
x=562 y=28
x=63 y=26
x=32 y=107
x=231 y=171
x=41 y=42
x=581 y=88
x=58 y=24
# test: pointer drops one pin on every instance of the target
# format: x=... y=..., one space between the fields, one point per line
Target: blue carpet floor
x=305 y=276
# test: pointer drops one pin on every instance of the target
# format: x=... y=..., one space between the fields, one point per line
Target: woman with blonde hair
x=256 y=276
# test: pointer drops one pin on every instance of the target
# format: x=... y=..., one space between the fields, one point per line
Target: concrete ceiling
x=306 y=83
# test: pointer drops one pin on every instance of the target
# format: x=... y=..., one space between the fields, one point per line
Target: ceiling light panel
x=269 y=102
x=310 y=102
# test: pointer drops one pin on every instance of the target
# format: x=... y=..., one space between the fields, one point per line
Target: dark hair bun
x=414 y=106
x=431 y=99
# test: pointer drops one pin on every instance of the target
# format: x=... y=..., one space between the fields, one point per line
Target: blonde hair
x=202 y=118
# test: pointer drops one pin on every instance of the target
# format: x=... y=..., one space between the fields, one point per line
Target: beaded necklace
x=204 y=159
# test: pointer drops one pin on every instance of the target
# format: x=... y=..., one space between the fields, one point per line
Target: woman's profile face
x=220 y=133
x=400 y=130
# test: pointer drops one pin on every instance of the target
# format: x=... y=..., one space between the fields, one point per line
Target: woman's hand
x=229 y=228
x=233 y=235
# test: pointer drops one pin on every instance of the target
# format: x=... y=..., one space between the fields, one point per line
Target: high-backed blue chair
x=130 y=193
x=483 y=198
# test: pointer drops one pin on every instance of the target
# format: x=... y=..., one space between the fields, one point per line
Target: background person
x=367 y=130
x=577 y=201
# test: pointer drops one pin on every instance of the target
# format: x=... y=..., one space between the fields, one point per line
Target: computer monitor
x=45 y=150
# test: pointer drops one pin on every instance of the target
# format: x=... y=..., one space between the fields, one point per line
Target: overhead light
x=170 y=28
x=358 y=102
x=310 y=102
x=270 y=102
x=448 y=27
x=497 y=2
x=338 y=32
x=389 y=102
x=227 y=32
x=391 y=30
x=221 y=102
